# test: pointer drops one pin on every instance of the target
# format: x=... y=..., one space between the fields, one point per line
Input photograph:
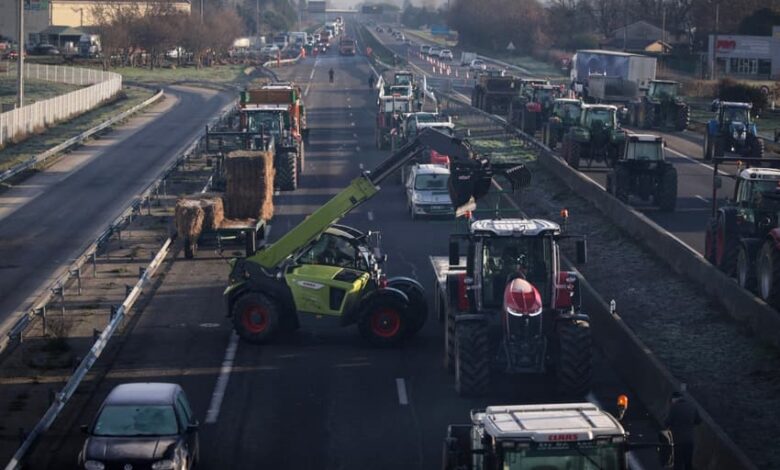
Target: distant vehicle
x=281 y=41
x=434 y=51
x=269 y=49
x=142 y=425
x=425 y=49
x=426 y=191
x=467 y=57
x=477 y=64
x=44 y=49
x=379 y=29
x=175 y=53
x=446 y=54
x=347 y=46
x=317 y=37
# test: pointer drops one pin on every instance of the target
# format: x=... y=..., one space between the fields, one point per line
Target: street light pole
x=713 y=67
x=201 y=11
x=20 y=58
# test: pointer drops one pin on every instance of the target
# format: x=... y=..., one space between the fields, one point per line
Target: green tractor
x=732 y=130
x=661 y=107
x=597 y=137
x=642 y=171
x=333 y=270
x=565 y=114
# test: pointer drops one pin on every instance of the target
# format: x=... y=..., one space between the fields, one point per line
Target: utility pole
x=20 y=58
x=201 y=11
x=713 y=68
x=257 y=19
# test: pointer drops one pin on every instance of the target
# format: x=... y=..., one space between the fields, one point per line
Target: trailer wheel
x=574 y=369
x=769 y=273
x=256 y=317
x=666 y=198
x=472 y=365
x=286 y=172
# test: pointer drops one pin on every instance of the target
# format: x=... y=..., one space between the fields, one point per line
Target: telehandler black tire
x=256 y=317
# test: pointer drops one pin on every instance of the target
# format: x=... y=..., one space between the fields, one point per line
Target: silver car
x=427 y=193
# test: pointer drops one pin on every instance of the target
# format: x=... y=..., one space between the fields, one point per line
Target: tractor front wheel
x=768 y=273
x=472 y=363
x=384 y=321
x=755 y=147
x=256 y=317
x=417 y=311
x=708 y=147
x=746 y=272
x=683 y=117
x=574 y=369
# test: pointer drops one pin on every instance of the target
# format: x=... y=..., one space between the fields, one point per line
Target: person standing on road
x=330 y=75
x=371 y=81
x=682 y=419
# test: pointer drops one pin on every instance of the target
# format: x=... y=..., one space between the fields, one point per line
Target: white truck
x=617 y=73
x=467 y=57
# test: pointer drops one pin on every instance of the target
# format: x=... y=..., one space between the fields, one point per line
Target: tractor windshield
x=569 y=112
x=644 y=151
x=269 y=121
x=736 y=115
x=661 y=90
x=504 y=258
x=603 y=115
x=403 y=79
x=761 y=194
x=565 y=458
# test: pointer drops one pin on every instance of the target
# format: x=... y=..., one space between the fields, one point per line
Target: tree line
x=573 y=24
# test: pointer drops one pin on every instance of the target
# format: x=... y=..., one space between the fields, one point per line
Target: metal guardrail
x=42 y=157
x=61 y=398
x=38 y=307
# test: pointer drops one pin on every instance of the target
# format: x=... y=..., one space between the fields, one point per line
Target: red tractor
x=507 y=305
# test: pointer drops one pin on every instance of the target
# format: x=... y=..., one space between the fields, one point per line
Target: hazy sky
x=352 y=3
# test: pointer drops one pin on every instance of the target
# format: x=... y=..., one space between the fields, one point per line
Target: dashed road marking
x=400 y=386
x=702 y=199
x=222 y=380
x=370 y=215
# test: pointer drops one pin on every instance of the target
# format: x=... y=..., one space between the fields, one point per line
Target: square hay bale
x=189 y=218
x=213 y=210
x=249 y=185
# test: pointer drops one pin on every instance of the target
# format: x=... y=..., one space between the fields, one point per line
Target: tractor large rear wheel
x=755 y=147
x=709 y=147
x=256 y=317
x=472 y=363
x=384 y=321
x=768 y=273
x=683 y=117
x=574 y=369
x=650 y=116
x=726 y=242
x=621 y=183
x=746 y=271
x=287 y=172
x=666 y=198
x=575 y=153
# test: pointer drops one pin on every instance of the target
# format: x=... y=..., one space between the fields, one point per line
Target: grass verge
x=34 y=90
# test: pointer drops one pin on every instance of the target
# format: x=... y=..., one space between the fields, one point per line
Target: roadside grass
x=34 y=90
x=217 y=75
x=39 y=143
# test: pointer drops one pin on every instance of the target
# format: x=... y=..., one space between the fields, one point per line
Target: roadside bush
x=729 y=90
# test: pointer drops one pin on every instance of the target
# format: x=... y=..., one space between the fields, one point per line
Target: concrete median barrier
x=739 y=303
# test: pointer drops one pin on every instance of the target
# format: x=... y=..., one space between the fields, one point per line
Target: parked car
x=142 y=425
x=446 y=54
x=379 y=29
x=44 y=49
x=477 y=64
x=426 y=191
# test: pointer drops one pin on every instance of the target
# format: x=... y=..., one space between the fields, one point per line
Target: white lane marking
x=357 y=149
x=702 y=199
x=311 y=76
x=352 y=124
x=306 y=91
x=400 y=385
x=361 y=167
x=371 y=218
x=222 y=381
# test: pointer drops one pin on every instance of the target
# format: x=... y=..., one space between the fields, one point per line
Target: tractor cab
x=403 y=78
x=663 y=90
x=644 y=148
x=732 y=130
x=599 y=116
x=567 y=110
x=545 y=436
x=642 y=171
x=757 y=191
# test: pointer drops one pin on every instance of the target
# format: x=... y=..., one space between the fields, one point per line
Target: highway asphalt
x=694 y=197
x=49 y=219
x=321 y=398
